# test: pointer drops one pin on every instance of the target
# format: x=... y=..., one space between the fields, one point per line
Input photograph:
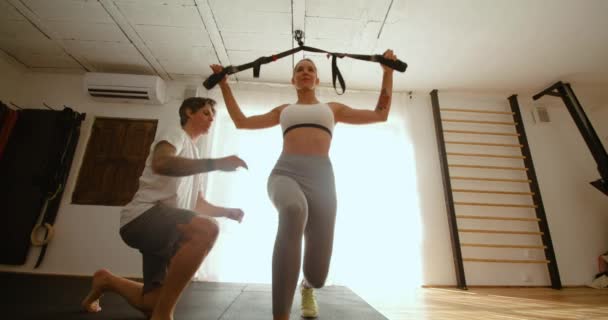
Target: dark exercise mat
x=26 y=296
x=335 y=303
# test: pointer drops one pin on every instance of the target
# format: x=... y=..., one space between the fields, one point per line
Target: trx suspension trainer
x=213 y=79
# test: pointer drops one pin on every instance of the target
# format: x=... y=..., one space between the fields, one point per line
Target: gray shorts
x=154 y=233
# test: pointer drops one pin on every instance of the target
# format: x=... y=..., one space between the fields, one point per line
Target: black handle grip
x=213 y=80
x=394 y=64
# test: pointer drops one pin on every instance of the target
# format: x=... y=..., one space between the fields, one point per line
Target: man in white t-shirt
x=168 y=220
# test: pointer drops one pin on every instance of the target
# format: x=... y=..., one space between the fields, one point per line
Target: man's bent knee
x=203 y=230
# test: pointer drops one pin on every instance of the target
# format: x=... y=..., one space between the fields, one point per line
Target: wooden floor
x=498 y=303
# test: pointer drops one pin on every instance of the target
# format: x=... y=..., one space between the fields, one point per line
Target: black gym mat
x=26 y=296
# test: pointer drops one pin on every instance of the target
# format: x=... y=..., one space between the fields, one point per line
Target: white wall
x=577 y=212
x=438 y=262
x=10 y=82
x=599 y=118
x=87 y=237
x=595 y=103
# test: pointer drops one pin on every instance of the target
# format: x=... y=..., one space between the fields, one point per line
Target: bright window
x=378 y=231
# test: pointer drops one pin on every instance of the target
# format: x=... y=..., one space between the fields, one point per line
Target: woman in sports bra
x=301 y=185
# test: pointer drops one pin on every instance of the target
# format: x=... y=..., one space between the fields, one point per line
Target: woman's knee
x=316 y=277
x=316 y=281
x=294 y=209
x=316 y=272
x=288 y=198
x=293 y=216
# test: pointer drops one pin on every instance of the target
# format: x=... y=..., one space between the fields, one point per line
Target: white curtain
x=377 y=240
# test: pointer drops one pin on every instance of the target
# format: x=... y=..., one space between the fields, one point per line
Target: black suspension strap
x=66 y=137
x=215 y=78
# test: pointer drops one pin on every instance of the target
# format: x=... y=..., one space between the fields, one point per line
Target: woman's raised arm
x=241 y=121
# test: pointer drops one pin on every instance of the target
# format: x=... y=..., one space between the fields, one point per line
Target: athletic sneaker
x=309 y=303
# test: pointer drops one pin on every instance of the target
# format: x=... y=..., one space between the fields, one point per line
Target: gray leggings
x=302 y=189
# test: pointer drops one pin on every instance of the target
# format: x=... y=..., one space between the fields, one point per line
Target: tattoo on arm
x=383 y=101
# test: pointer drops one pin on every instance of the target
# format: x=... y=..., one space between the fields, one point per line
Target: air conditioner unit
x=130 y=88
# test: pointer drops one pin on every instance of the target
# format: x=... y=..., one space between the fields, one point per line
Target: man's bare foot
x=91 y=301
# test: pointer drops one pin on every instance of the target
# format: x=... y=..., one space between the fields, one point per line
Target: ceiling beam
x=32 y=18
x=298 y=16
x=208 y=19
x=131 y=34
x=366 y=41
x=388 y=10
x=13 y=61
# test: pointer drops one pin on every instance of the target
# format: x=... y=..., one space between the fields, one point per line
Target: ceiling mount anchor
x=298 y=35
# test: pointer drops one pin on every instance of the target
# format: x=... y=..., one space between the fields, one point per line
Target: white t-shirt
x=177 y=192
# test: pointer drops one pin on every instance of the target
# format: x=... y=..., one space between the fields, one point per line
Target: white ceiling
x=448 y=44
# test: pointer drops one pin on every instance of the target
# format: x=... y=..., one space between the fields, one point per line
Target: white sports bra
x=317 y=115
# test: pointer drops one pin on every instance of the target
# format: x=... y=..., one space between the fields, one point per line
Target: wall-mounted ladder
x=492 y=185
